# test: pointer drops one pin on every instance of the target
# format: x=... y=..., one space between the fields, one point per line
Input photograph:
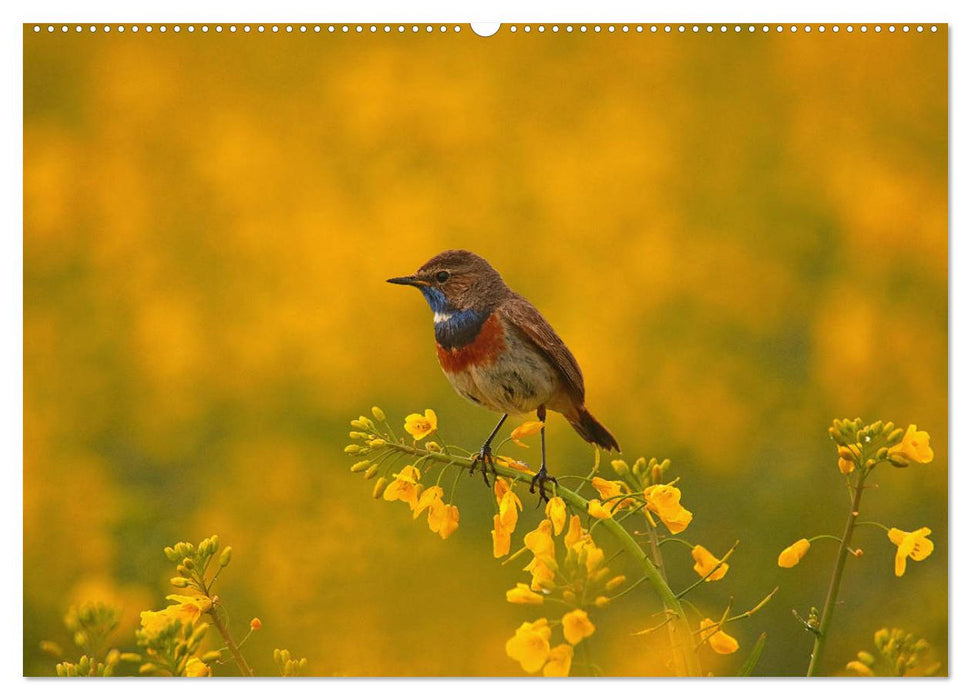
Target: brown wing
x=535 y=328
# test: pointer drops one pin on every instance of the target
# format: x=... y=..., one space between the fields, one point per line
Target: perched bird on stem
x=499 y=352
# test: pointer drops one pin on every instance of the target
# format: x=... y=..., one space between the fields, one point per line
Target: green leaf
x=753 y=657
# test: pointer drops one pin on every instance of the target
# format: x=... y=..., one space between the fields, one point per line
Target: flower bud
x=379 y=486
x=882 y=453
x=179 y=581
x=881 y=638
x=377 y=442
x=601 y=601
x=615 y=582
x=360 y=466
x=377 y=413
x=865 y=658
x=171 y=555
x=620 y=466
x=226 y=557
x=371 y=471
x=255 y=624
x=352 y=449
x=357 y=435
x=433 y=446
x=211 y=656
x=570 y=597
x=130 y=657
x=898 y=460
x=895 y=437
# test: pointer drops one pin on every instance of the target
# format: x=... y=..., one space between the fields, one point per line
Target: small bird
x=498 y=351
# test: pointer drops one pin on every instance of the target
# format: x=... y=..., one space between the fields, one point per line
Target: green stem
x=834 y=584
x=686 y=661
x=230 y=644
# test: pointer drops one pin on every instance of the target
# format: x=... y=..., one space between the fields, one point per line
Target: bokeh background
x=741 y=237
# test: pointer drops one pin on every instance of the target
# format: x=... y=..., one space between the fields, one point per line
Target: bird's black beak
x=412 y=281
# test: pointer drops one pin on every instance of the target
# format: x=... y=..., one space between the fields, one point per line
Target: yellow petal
x=793 y=554
x=577 y=626
x=523 y=595
x=597 y=509
x=527 y=429
x=705 y=562
x=501 y=540
x=560 y=660
x=556 y=512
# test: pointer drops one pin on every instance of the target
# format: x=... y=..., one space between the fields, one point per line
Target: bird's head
x=457 y=280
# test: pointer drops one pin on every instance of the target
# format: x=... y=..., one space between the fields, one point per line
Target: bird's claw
x=541 y=479
x=488 y=464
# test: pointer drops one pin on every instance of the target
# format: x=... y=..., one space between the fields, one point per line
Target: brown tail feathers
x=593 y=431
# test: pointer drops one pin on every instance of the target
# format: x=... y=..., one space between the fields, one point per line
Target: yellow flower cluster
x=443 y=518
x=661 y=500
x=577 y=578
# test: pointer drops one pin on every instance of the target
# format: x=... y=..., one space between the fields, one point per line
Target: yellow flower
x=154 y=621
x=540 y=541
x=542 y=572
x=513 y=464
x=705 y=562
x=556 y=512
x=560 y=659
x=195 y=668
x=665 y=501
x=592 y=554
x=720 y=642
x=527 y=429
x=509 y=508
x=597 y=509
x=915 y=446
x=445 y=521
x=577 y=626
x=501 y=540
x=189 y=607
x=859 y=668
x=522 y=595
x=612 y=489
x=530 y=645
x=846 y=465
x=421 y=426
x=574 y=533
x=429 y=498
x=910 y=544
x=793 y=554
x=404 y=487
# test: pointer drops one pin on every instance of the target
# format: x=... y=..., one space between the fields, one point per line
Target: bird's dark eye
x=442 y=275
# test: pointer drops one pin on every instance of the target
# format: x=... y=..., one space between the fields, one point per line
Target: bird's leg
x=485 y=454
x=542 y=476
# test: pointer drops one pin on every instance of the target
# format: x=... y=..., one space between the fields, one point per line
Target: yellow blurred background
x=741 y=237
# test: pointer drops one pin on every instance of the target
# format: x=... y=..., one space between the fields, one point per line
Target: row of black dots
x=415 y=29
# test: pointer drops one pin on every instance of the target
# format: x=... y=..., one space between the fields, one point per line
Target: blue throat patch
x=457 y=328
x=436 y=299
x=460 y=328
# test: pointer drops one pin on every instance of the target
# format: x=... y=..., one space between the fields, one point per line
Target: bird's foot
x=541 y=480
x=487 y=461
